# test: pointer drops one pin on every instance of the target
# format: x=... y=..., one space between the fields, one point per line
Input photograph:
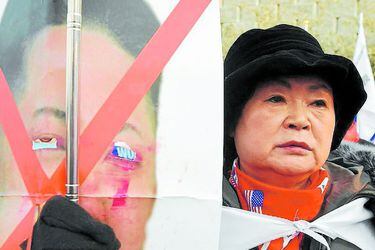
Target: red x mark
x=128 y=93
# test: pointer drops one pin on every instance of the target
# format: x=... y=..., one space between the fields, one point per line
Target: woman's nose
x=297 y=118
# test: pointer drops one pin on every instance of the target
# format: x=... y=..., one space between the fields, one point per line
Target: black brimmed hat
x=286 y=50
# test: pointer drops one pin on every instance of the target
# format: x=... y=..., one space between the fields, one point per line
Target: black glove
x=65 y=225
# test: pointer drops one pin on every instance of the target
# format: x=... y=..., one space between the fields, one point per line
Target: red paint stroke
x=134 y=85
x=120 y=197
x=129 y=92
x=21 y=232
x=27 y=162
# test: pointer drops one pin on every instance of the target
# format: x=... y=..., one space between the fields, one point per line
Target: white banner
x=242 y=230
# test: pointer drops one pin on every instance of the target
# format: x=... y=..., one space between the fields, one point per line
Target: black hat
x=286 y=50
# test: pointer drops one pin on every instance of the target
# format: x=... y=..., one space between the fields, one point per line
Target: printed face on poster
x=170 y=144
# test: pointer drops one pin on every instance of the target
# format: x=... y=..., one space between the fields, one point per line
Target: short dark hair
x=131 y=23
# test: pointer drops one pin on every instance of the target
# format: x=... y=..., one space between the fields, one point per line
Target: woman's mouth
x=295 y=147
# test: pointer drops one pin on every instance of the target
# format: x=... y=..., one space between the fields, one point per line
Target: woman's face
x=285 y=131
x=119 y=172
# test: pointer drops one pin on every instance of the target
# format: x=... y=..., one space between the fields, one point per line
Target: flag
x=254 y=199
x=366 y=116
x=352 y=133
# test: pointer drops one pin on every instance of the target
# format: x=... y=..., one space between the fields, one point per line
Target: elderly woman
x=287 y=105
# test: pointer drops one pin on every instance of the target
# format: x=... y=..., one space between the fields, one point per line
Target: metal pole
x=72 y=62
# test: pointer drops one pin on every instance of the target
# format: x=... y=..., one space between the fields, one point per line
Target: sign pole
x=72 y=66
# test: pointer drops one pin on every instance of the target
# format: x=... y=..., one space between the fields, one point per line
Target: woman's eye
x=123 y=151
x=319 y=103
x=48 y=141
x=45 y=143
x=276 y=99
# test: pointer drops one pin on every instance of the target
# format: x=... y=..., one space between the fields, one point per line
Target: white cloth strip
x=242 y=229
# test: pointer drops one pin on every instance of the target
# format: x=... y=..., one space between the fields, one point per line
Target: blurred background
x=333 y=22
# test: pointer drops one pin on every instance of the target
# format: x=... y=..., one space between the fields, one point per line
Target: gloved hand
x=65 y=225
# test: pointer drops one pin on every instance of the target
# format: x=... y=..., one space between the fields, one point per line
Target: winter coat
x=352 y=171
